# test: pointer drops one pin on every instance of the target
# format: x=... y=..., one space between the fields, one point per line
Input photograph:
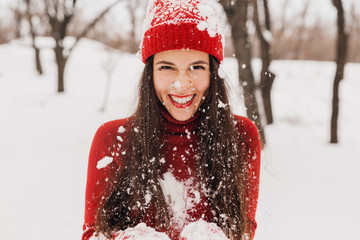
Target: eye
x=197 y=67
x=165 y=68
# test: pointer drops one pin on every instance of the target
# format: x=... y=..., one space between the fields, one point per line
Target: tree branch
x=92 y=24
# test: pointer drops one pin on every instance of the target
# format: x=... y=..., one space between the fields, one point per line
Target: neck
x=173 y=126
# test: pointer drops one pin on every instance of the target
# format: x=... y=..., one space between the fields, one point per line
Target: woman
x=182 y=166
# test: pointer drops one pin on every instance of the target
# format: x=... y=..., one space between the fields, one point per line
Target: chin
x=182 y=116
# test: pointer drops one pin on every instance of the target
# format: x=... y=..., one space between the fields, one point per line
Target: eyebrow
x=172 y=64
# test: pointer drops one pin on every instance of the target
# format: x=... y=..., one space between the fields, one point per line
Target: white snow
x=121 y=129
x=148 y=198
x=221 y=72
x=175 y=192
x=177 y=84
x=221 y=104
x=267 y=35
x=203 y=230
x=211 y=23
x=179 y=197
x=202 y=25
x=104 y=162
x=141 y=232
x=308 y=187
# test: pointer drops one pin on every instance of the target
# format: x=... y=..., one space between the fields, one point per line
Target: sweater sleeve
x=99 y=166
x=249 y=133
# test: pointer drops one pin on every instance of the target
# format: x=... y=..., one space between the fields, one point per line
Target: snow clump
x=221 y=104
x=104 y=162
x=180 y=197
x=208 y=13
x=177 y=84
x=202 y=230
x=141 y=232
x=121 y=129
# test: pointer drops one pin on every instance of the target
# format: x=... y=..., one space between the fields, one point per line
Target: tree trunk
x=266 y=77
x=340 y=62
x=38 y=60
x=236 y=12
x=36 y=50
x=29 y=16
x=61 y=61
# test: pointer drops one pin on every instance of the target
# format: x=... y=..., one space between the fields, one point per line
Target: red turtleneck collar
x=173 y=126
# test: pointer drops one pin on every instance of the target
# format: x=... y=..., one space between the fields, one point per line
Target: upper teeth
x=182 y=100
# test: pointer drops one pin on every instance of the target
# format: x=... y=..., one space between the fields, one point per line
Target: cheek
x=203 y=86
x=160 y=89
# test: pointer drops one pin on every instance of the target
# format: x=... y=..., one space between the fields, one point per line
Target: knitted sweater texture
x=179 y=164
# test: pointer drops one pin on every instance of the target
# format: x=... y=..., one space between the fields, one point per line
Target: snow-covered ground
x=309 y=188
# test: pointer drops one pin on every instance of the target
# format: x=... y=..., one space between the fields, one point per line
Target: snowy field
x=309 y=188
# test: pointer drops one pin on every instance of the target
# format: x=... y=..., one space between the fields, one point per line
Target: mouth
x=182 y=101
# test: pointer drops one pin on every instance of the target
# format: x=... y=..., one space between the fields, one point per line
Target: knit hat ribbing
x=178 y=24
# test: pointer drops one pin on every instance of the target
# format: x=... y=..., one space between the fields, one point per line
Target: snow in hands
x=141 y=232
x=202 y=230
x=194 y=231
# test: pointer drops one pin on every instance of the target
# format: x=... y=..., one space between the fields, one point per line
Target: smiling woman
x=182 y=166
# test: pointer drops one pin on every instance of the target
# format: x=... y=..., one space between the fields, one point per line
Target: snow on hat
x=181 y=24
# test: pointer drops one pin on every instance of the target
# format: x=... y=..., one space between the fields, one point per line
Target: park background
x=309 y=187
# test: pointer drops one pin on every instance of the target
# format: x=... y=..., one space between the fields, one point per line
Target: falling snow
x=221 y=104
x=301 y=123
x=104 y=162
x=121 y=129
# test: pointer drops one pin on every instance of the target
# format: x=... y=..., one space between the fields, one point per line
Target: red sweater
x=179 y=160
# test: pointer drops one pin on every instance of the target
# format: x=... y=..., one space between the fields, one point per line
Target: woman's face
x=181 y=80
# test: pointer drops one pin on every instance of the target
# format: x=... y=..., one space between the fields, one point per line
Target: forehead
x=181 y=57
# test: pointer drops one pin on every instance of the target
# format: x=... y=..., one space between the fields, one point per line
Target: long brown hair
x=221 y=163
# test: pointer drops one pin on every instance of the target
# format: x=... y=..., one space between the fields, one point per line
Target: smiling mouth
x=182 y=101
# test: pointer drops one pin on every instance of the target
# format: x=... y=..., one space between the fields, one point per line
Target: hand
x=202 y=230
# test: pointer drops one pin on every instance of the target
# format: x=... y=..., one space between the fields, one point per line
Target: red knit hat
x=178 y=24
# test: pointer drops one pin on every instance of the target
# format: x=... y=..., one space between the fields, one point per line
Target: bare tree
x=340 y=62
x=132 y=6
x=3 y=33
x=109 y=67
x=278 y=32
x=30 y=14
x=237 y=15
x=354 y=43
x=266 y=77
x=301 y=27
x=18 y=17
x=59 y=14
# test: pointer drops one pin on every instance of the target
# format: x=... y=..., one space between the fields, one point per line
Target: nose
x=182 y=81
